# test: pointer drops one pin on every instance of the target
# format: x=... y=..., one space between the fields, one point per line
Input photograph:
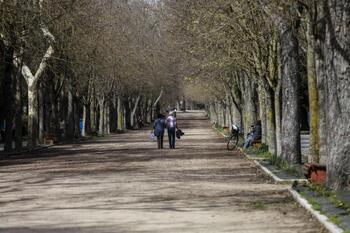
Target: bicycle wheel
x=232 y=142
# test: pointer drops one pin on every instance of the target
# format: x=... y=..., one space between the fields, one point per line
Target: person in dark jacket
x=255 y=134
x=158 y=129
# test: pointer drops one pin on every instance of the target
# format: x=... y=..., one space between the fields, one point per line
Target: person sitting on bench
x=255 y=134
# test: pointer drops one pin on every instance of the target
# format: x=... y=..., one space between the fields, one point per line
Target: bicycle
x=233 y=138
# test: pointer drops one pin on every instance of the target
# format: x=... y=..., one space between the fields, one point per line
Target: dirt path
x=122 y=184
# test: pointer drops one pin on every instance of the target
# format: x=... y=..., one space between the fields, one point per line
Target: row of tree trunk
x=278 y=108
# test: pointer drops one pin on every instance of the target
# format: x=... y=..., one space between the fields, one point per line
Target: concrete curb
x=274 y=177
x=324 y=220
x=267 y=171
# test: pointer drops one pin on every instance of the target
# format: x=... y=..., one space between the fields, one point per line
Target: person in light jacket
x=171 y=127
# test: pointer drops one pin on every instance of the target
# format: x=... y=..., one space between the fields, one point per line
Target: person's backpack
x=179 y=133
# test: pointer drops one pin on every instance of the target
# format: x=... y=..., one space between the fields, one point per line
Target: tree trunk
x=132 y=115
x=19 y=112
x=77 y=115
x=249 y=110
x=113 y=113
x=93 y=122
x=127 y=112
x=85 y=113
x=8 y=88
x=337 y=58
x=101 y=121
x=290 y=86
x=70 y=116
x=278 y=103
x=313 y=156
x=87 y=126
x=106 y=120
x=262 y=114
x=120 y=114
x=270 y=121
x=319 y=34
x=32 y=116
x=41 y=113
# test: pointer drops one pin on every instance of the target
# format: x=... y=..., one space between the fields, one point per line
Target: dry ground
x=122 y=184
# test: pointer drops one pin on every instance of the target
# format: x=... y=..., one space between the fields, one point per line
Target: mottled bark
x=120 y=114
x=337 y=60
x=263 y=113
x=249 y=109
x=133 y=112
x=313 y=95
x=18 y=112
x=70 y=116
x=77 y=115
x=270 y=120
x=319 y=35
x=290 y=95
x=83 y=130
x=32 y=116
x=127 y=112
x=8 y=90
x=278 y=118
x=41 y=114
x=101 y=104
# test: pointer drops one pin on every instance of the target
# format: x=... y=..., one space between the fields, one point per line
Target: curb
x=273 y=176
x=324 y=220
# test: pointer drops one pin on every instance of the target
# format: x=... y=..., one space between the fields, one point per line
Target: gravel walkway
x=122 y=184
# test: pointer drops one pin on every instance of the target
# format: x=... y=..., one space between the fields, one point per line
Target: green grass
x=312 y=201
x=334 y=219
x=278 y=162
x=260 y=151
x=220 y=129
x=331 y=196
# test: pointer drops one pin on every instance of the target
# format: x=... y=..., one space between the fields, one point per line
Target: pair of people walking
x=159 y=127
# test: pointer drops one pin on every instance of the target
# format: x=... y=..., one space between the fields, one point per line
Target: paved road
x=122 y=184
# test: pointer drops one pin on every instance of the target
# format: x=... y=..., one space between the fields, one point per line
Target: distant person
x=255 y=134
x=171 y=126
x=158 y=129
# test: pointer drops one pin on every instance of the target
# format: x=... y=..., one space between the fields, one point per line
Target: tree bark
x=270 y=120
x=85 y=113
x=120 y=114
x=278 y=103
x=263 y=114
x=41 y=114
x=290 y=86
x=19 y=112
x=101 y=103
x=77 y=115
x=249 y=109
x=70 y=115
x=132 y=115
x=313 y=156
x=8 y=88
x=319 y=34
x=32 y=116
x=337 y=58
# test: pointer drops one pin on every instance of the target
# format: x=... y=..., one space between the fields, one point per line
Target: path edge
x=323 y=219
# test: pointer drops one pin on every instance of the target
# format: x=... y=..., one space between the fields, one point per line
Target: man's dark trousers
x=171 y=136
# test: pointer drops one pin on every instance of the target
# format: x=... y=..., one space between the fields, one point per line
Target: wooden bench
x=256 y=143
